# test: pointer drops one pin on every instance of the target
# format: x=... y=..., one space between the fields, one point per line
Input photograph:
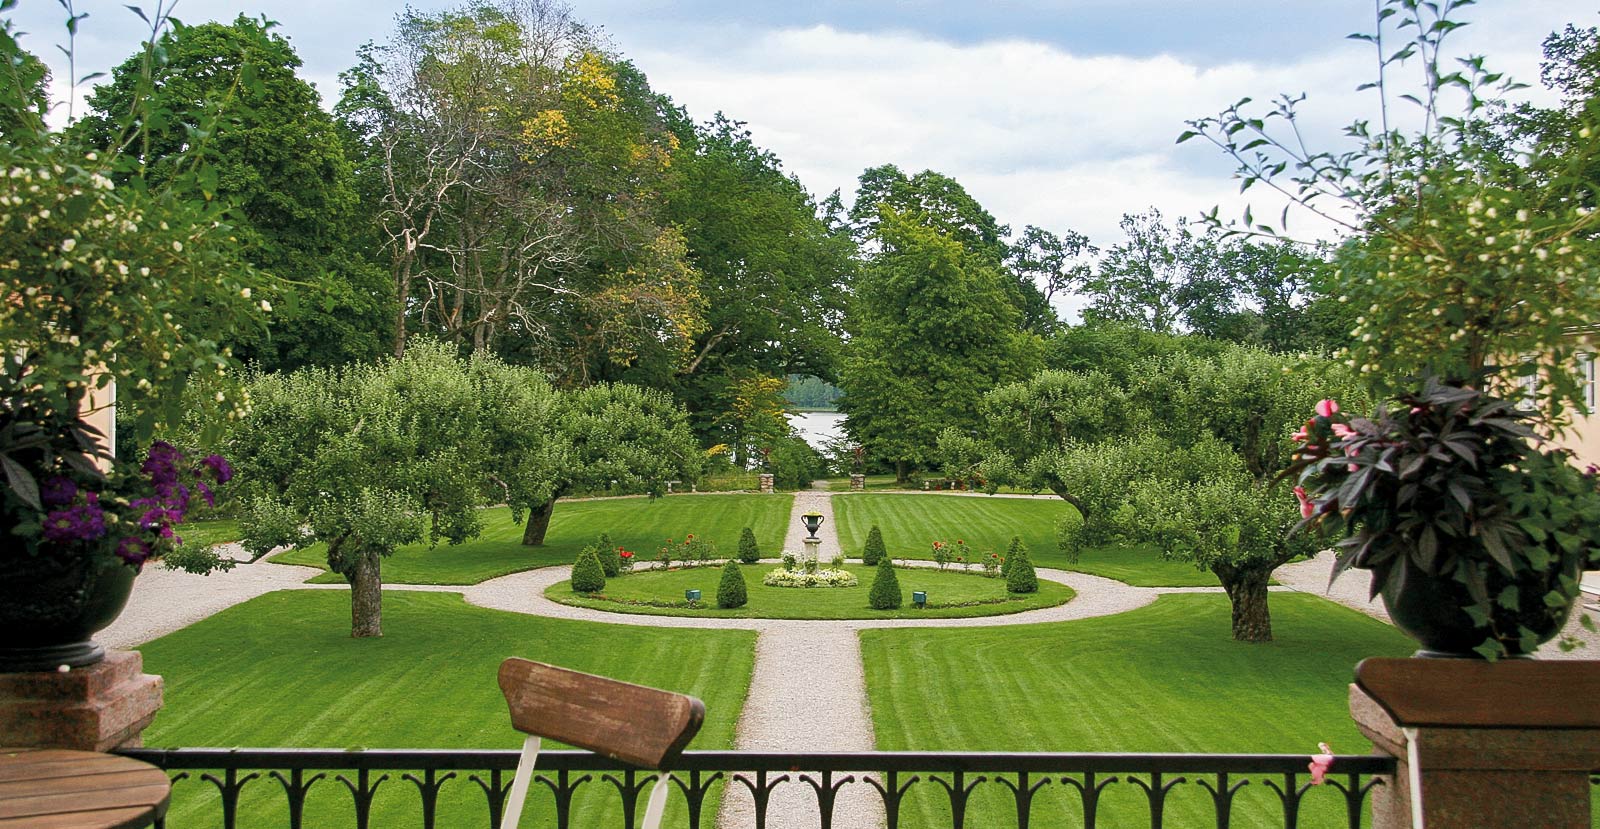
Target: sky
x=1058 y=114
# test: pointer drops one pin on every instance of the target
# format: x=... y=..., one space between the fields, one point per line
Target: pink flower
x=1300 y=436
x=1342 y=431
x=1327 y=408
x=1320 y=763
x=1307 y=509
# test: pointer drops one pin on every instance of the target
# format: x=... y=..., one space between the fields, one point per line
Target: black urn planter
x=812 y=523
x=50 y=610
x=1428 y=608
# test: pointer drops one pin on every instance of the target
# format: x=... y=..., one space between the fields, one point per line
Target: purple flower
x=220 y=468
x=162 y=463
x=58 y=491
x=133 y=550
x=206 y=493
x=84 y=522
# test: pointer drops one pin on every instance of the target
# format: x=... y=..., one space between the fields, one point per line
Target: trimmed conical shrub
x=610 y=556
x=885 y=593
x=1011 y=555
x=1021 y=578
x=749 y=553
x=874 y=551
x=587 y=575
x=731 y=591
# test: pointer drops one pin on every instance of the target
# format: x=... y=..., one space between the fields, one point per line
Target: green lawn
x=813 y=602
x=640 y=524
x=282 y=670
x=1164 y=678
x=911 y=523
x=208 y=533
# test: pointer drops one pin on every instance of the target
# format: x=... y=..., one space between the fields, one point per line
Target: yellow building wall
x=100 y=411
x=1584 y=440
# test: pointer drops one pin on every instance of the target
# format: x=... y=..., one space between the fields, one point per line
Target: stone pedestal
x=1493 y=745
x=98 y=708
x=858 y=483
x=812 y=551
x=766 y=482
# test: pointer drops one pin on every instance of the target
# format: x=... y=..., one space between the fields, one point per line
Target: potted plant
x=1466 y=270
x=101 y=270
x=1476 y=532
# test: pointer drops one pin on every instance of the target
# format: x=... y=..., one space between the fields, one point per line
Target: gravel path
x=165 y=600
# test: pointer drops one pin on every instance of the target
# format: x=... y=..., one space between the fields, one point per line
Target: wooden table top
x=57 y=789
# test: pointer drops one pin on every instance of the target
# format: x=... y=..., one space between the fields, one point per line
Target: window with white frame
x=1529 y=399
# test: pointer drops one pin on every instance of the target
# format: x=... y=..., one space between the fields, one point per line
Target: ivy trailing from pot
x=1475 y=529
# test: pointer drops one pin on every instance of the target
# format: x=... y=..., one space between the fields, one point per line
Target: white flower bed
x=799 y=578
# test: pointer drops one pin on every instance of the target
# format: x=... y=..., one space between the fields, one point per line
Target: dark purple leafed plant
x=1458 y=483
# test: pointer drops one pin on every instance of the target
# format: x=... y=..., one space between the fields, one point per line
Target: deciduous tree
x=366 y=458
x=610 y=435
x=931 y=332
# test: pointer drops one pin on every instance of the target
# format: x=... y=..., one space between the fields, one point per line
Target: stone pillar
x=858 y=482
x=766 y=482
x=103 y=706
x=1501 y=745
x=812 y=549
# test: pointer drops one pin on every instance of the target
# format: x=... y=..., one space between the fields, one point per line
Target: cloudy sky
x=1060 y=113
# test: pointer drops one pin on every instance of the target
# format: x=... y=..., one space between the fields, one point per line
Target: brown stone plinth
x=766 y=482
x=98 y=708
x=858 y=483
x=1478 y=774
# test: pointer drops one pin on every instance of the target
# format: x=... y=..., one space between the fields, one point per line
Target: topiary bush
x=885 y=593
x=587 y=574
x=749 y=553
x=610 y=556
x=1011 y=555
x=1021 y=578
x=874 y=551
x=731 y=591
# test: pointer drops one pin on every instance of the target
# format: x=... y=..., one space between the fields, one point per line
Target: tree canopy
x=278 y=159
x=366 y=458
x=931 y=330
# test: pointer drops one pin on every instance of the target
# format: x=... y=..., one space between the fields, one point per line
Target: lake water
x=818 y=427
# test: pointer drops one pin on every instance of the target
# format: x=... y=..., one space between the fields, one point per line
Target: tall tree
x=773 y=275
x=280 y=159
x=520 y=169
x=1162 y=278
x=941 y=204
x=931 y=330
x=1060 y=264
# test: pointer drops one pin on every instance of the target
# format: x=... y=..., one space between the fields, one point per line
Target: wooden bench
x=642 y=726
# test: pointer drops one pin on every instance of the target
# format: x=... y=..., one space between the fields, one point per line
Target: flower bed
x=783 y=577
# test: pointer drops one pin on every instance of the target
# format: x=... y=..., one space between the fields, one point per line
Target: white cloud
x=1038 y=135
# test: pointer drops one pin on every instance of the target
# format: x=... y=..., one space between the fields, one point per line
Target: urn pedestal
x=1491 y=745
x=103 y=706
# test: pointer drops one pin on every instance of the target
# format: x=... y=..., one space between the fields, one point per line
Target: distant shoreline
x=813 y=410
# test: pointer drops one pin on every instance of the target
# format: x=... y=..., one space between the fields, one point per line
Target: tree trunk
x=538 y=524
x=366 y=597
x=901 y=471
x=1247 y=590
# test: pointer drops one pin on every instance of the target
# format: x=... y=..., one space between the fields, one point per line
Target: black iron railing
x=1079 y=783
